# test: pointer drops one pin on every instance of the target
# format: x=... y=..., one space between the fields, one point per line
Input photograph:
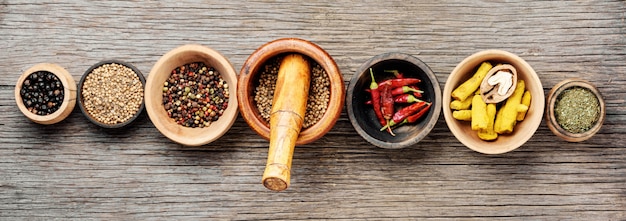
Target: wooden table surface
x=76 y=170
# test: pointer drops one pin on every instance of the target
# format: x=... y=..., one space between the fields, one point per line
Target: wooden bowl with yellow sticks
x=498 y=127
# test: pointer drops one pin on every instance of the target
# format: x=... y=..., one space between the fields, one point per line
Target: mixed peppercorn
x=395 y=101
x=195 y=95
x=42 y=93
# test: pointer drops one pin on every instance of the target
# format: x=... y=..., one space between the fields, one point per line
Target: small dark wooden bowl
x=362 y=115
x=69 y=90
x=81 y=101
x=551 y=119
x=250 y=71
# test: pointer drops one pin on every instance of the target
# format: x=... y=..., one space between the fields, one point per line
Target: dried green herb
x=577 y=109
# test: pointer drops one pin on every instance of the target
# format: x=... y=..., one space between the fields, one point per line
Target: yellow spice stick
x=479 y=113
x=461 y=105
x=465 y=115
x=525 y=101
x=468 y=87
x=496 y=124
x=489 y=133
x=507 y=116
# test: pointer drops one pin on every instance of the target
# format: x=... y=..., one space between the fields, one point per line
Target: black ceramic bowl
x=81 y=100
x=362 y=115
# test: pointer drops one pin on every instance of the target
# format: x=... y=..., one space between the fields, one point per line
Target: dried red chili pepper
x=401 y=98
x=418 y=115
x=399 y=82
x=405 y=99
x=416 y=94
x=413 y=118
x=403 y=114
x=375 y=94
x=386 y=104
x=405 y=89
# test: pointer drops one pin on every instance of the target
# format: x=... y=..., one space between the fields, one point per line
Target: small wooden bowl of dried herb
x=575 y=110
x=110 y=93
x=257 y=81
x=394 y=89
x=493 y=126
x=191 y=95
x=46 y=93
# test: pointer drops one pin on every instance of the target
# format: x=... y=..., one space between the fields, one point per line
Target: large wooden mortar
x=245 y=94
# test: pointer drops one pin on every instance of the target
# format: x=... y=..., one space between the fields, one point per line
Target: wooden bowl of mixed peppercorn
x=393 y=89
x=110 y=93
x=191 y=95
x=46 y=93
x=575 y=110
x=257 y=81
x=484 y=125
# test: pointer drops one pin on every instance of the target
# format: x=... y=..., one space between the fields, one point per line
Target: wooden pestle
x=286 y=119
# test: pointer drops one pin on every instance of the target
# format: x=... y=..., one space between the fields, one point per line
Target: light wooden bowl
x=523 y=131
x=551 y=118
x=249 y=74
x=81 y=101
x=69 y=91
x=154 y=95
x=362 y=116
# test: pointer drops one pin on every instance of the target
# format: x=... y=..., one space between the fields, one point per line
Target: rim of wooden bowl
x=433 y=115
x=154 y=98
x=69 y=90
x=523 y=131
x=80 y=97
x=551 y=118
x=290 y=45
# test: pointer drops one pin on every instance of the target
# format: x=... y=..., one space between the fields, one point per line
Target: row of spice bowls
x=481 y=110
x=111 y=93
x=193 y=95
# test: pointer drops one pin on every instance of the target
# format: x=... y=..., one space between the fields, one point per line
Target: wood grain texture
x=74 y=170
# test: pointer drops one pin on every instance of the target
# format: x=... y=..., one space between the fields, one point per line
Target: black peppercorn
x=39 y=89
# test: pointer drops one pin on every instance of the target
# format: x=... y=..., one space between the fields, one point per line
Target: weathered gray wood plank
x=75 y=170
